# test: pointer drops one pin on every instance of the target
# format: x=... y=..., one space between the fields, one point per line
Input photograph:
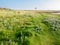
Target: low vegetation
x=30 y=29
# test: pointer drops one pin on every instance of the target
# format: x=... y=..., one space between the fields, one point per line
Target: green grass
x=29 y=29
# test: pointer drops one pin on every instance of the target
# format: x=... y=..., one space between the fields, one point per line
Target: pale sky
x=31 y=4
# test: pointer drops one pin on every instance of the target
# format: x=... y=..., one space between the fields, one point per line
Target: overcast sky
x=31 y=4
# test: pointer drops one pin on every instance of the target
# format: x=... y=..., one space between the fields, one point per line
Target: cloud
x=51 y=5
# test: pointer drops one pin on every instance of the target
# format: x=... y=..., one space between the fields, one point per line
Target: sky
x=31 y=4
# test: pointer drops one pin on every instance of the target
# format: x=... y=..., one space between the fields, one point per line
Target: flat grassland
x=29 y=27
